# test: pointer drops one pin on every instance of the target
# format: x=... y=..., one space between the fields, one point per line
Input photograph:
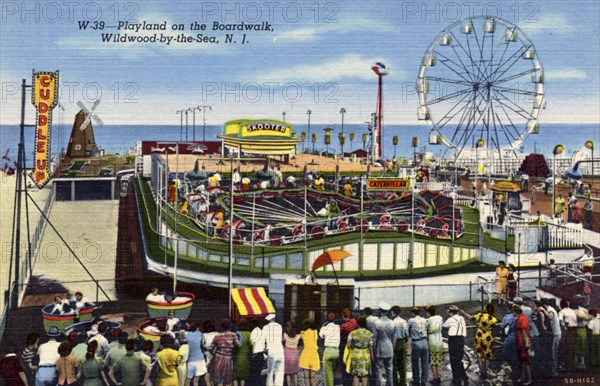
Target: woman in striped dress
x=221 y=365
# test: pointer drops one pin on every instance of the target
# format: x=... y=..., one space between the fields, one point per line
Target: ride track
x=277 y=217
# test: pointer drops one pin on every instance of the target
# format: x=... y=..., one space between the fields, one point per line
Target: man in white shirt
x=330 y=332
x=273 y=335
x=258 y=353
x=551 y=313
x=457 y=331
x=568 y=321
x=172 y=324
x=155 y=296
x=48 y=355
x=417 y=331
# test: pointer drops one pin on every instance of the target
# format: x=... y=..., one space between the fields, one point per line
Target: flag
x=5 y=156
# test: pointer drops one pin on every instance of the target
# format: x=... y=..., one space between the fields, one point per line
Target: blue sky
x=317 y=56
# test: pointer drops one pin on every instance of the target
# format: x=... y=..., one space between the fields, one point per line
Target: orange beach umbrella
x=330 y=257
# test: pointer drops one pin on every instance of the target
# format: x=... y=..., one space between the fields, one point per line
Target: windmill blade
x=85 y=123
x=97 y=119
x=82 y=107
x=95 y=105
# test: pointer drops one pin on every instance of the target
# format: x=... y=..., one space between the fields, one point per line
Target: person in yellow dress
x=502 y=281
x=309 y=359
x=484 y=338
x=559 y=206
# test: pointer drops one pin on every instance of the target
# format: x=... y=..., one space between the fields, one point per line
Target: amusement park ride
x=481 y=79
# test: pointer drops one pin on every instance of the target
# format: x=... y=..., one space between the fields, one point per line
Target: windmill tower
x=82 y=142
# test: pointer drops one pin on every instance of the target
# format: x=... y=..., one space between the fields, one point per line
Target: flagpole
x=230 y=276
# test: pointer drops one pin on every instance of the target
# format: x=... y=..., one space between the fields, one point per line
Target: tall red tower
x=376 y=151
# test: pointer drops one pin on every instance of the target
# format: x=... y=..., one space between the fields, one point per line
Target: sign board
x=388 y=184
x=44 y=97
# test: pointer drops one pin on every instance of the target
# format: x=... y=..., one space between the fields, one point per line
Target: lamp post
x=558 y=149
x=327 y=131
x=480 y=143
x=180 y=112
x=303 y=139
x=590 y=145
x=415 y=144
x=283 y=114
x=193 y=110
x=395 y=141
x=176 y=237
x=308 y=112
x=342 y=111
x=186 y=123
x=231 y=257
x=203 y=109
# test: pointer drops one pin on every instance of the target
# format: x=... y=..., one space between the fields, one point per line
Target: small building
x=259 y=138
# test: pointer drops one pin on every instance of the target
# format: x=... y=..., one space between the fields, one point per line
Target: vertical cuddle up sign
x=44 y=98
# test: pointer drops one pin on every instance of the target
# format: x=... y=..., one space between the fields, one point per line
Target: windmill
x=82 y=142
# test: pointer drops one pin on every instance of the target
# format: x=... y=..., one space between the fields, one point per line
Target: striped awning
x=252 y=301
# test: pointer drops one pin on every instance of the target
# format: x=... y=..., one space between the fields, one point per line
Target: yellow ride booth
x=259 y=137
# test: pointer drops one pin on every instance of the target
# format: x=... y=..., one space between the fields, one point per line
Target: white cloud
x=565 y=74
x=350 y=66
x=547 y=24
x=313 y=33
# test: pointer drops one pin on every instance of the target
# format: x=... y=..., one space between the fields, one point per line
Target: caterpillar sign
x=44 y=98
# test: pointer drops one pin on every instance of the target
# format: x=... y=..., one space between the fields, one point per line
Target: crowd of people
x=365 y=349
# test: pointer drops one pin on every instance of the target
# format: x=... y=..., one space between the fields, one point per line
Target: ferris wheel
x=481 y=85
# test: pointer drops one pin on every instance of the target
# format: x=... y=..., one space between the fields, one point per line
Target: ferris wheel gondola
x=481 y=79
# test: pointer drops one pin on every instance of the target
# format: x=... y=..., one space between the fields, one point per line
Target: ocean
x=119 y=138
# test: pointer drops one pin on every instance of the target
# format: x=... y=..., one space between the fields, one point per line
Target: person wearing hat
x=457 y=332
x=130 y=367
x=400 y=348
x=168 y=359
x=48 y=355
x=384 y=339
x=272 y=335
x=417 y=330
x=117 y=351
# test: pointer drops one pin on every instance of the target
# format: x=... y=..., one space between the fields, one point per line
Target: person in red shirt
x=11 y=370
